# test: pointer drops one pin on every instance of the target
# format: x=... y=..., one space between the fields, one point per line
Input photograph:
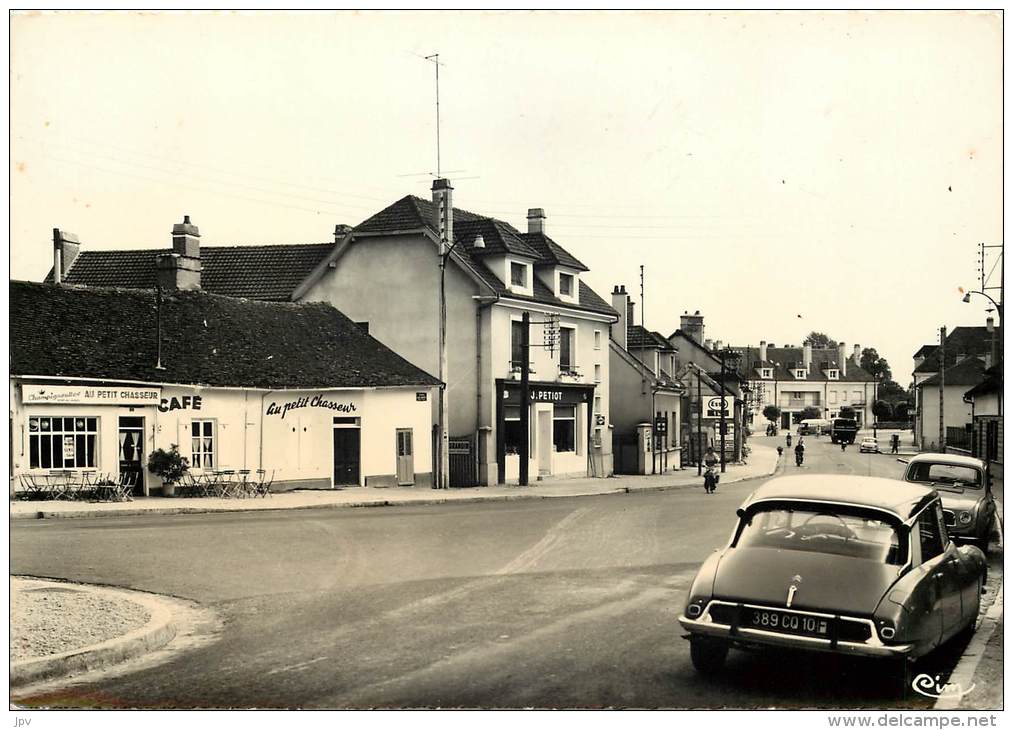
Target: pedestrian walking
x=844 y=445
x=787 y=440
x=780 y=452
x=895 y=443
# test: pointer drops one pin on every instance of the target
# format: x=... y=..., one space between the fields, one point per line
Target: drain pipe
x=482 y=303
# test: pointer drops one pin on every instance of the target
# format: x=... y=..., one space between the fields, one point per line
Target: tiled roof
x=551 y=252
x=639 y=337
x=969 y=371
x=991 y=383
x=961 y=341
x=413 y=213
x=784 y=360
x=206 y=339
x=926 y=350
x=269 y=273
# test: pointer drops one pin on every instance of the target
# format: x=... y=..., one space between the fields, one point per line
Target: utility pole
x=723 y=407
x=699 y=425
x=942 y=384
x=525 y=399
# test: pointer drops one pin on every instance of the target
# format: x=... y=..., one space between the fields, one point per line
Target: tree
x=809 y=412
x=771 y=413
x=902 y=411
x=819 y=340
x=891 y=392
x=846 y=412
x=882 y=410
x=876 y=366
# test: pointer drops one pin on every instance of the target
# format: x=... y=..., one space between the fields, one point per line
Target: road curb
x=521 y=495
x=159 y=631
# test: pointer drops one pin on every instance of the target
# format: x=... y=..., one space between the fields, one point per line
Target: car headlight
x=965 y=518
x=694 y=610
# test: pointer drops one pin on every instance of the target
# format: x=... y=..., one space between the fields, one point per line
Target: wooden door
x=131 y=438
x=405 y=457
x=346 y=457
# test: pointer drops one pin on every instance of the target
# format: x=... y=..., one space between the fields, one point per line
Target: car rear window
x=858 y=535
x=945 y=474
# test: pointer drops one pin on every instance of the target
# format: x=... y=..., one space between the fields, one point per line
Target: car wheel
x=708 y=656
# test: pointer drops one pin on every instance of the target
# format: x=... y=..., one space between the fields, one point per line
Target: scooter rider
x=710 y=477
x=799 y=453
x=787 y=440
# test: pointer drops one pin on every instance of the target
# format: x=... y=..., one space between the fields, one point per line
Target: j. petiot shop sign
x=89 y=394
x=316 y=401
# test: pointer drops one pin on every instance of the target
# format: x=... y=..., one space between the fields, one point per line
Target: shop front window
x=564 y=431
x=512 y=429
x=202 y=442
x=62 y=442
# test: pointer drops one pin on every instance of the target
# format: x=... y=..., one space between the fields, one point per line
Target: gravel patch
x=47 y=619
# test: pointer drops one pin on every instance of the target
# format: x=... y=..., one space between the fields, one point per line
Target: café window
x=62 y=442
x=564 y=428
x=202 y=444
x=518 y=275
x=566 y=285
x=512 y=429
x=566 y=337
x=516 y=349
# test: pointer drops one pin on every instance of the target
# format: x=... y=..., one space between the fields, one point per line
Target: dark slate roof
x=969 y=371
x=412 y=213
x=784 y=360
x=551 y=252
x=206 y=339
x=991 y=383
x=961 y=341
x=926 y=350
x=639 y=337
x=269 y=273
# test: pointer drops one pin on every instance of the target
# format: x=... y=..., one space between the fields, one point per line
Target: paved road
x=548 y=603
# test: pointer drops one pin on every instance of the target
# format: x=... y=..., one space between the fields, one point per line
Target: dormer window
x=800 y=373
x=518 y=275
x=766 y=372
x=833 y=374
x=566 y=285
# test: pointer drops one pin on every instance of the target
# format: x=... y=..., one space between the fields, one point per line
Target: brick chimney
x=181 y=269
x=842 y=357
x=66 y=246
x=807 y=356
x=443 y=209
x=620 y=303
x=763 y=350
x=536 y=220
x=692 y=326
x=858 y=354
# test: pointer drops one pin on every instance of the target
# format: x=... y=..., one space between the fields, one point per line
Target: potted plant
x=170 y=466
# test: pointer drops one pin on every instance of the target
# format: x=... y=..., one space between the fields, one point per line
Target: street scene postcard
x=493 y=360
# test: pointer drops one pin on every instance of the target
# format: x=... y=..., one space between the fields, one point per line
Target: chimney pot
x=620 y=300
x=182 y=268
x=66 y=247
x=443 y=209
x=536 y=220
x=479 y=241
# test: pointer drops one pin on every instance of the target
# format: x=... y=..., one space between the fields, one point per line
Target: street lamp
x=997 y=305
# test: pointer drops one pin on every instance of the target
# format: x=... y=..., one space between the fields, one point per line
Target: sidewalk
x=762 y=462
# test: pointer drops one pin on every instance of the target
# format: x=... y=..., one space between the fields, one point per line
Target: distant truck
x=844 y=430
x=814 y=427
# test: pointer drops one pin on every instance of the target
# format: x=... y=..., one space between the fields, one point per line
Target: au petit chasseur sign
x=89 y=394
x=316 y=401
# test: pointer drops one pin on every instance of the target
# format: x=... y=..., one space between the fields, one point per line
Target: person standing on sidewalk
x=894 y=443
x=799 y=453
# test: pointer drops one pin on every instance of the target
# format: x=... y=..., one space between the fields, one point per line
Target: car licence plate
x=785 y=623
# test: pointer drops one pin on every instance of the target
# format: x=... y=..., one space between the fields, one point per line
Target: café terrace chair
x=60 y=483
x=227 y=484
x=262 y=486
x=33 y=487
x=124 y=486
x=244 y=487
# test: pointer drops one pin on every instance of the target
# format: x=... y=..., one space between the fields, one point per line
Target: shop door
x=346 y=457
x=544 y=443
x=405 y=457
x=132 y=451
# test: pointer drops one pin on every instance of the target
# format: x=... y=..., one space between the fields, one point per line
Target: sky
x=779 y=172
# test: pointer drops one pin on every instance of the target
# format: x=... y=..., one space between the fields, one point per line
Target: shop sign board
x=546 y=394
x=122 y=395
x=714 y=406
x=320 y=400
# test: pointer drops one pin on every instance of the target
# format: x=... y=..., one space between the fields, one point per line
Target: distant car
x=869 y=444
x=965 y=485
x=841 y=564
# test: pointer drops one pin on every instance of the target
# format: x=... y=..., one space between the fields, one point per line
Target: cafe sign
x=319 y=401
x=546 y=394
x=122 y=395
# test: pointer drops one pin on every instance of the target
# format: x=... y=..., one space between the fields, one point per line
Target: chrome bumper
x=873 y=647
